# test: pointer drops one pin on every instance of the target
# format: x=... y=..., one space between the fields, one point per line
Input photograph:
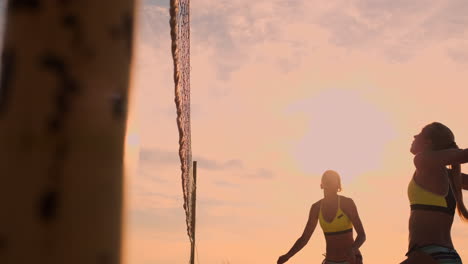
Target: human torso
x=337 y=228
x=432 y=208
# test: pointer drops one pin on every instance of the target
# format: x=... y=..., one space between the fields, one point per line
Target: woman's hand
x=282 y=259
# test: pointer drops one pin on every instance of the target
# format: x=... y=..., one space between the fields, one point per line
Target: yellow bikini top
x=422 y=199
x=340 y=224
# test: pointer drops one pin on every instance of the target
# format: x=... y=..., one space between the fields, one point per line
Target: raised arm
x=441 y=158
x=308 y=230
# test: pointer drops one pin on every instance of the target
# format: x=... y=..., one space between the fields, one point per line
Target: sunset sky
x=282 y=91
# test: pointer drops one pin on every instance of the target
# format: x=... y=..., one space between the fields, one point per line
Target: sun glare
x=346 y=133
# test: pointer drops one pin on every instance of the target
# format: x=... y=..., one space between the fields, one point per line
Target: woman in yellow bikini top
x=422 y=199
x=434 y=193
x=337 y=216
x=339 y=225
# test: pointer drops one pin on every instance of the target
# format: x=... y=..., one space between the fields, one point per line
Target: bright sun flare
x=346 y=133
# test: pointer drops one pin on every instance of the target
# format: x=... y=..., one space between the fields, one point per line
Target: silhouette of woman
x=337 y=216
x=434 y=192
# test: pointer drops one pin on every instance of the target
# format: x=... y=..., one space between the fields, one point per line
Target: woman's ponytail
x=456 y=182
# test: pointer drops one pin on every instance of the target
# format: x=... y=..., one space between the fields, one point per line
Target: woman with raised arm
x=337 y=216
x=434 y=192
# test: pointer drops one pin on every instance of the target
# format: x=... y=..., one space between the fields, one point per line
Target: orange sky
x=280 y=93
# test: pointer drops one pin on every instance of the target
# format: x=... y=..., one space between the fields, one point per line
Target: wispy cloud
x=261 y=173
x=231 y=34
x=152 y=158
x=159 y=3
x=153 y=21
x=222 y=183
x=398 y=29
x=215 y=165
x=149 y=173
x=161 y=157
x=459 y=55
x=158 y=156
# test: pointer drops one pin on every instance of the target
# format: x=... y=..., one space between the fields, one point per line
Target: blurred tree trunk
x=63 y=98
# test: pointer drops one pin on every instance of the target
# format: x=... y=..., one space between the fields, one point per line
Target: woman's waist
x=338 y=247
x=427 y=228
x=339 y=240
x=430 y=219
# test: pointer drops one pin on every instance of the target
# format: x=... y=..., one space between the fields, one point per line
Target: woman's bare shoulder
x=316 y=204
x=347 y=201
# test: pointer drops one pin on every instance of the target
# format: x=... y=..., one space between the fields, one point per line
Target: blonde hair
x=442 y=138
x=331 y=179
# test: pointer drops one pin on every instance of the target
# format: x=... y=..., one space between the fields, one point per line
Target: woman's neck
x=330 y=195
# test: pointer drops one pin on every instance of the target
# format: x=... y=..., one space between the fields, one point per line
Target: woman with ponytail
x=434 y=192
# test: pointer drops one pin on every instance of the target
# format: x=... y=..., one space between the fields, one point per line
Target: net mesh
x=180 y=34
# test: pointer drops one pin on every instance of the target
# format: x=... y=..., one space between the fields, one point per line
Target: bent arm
x=309 y=229
x=356 y=220
x=441 y=158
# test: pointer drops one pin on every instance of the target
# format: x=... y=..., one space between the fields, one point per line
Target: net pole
x=194 y=197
